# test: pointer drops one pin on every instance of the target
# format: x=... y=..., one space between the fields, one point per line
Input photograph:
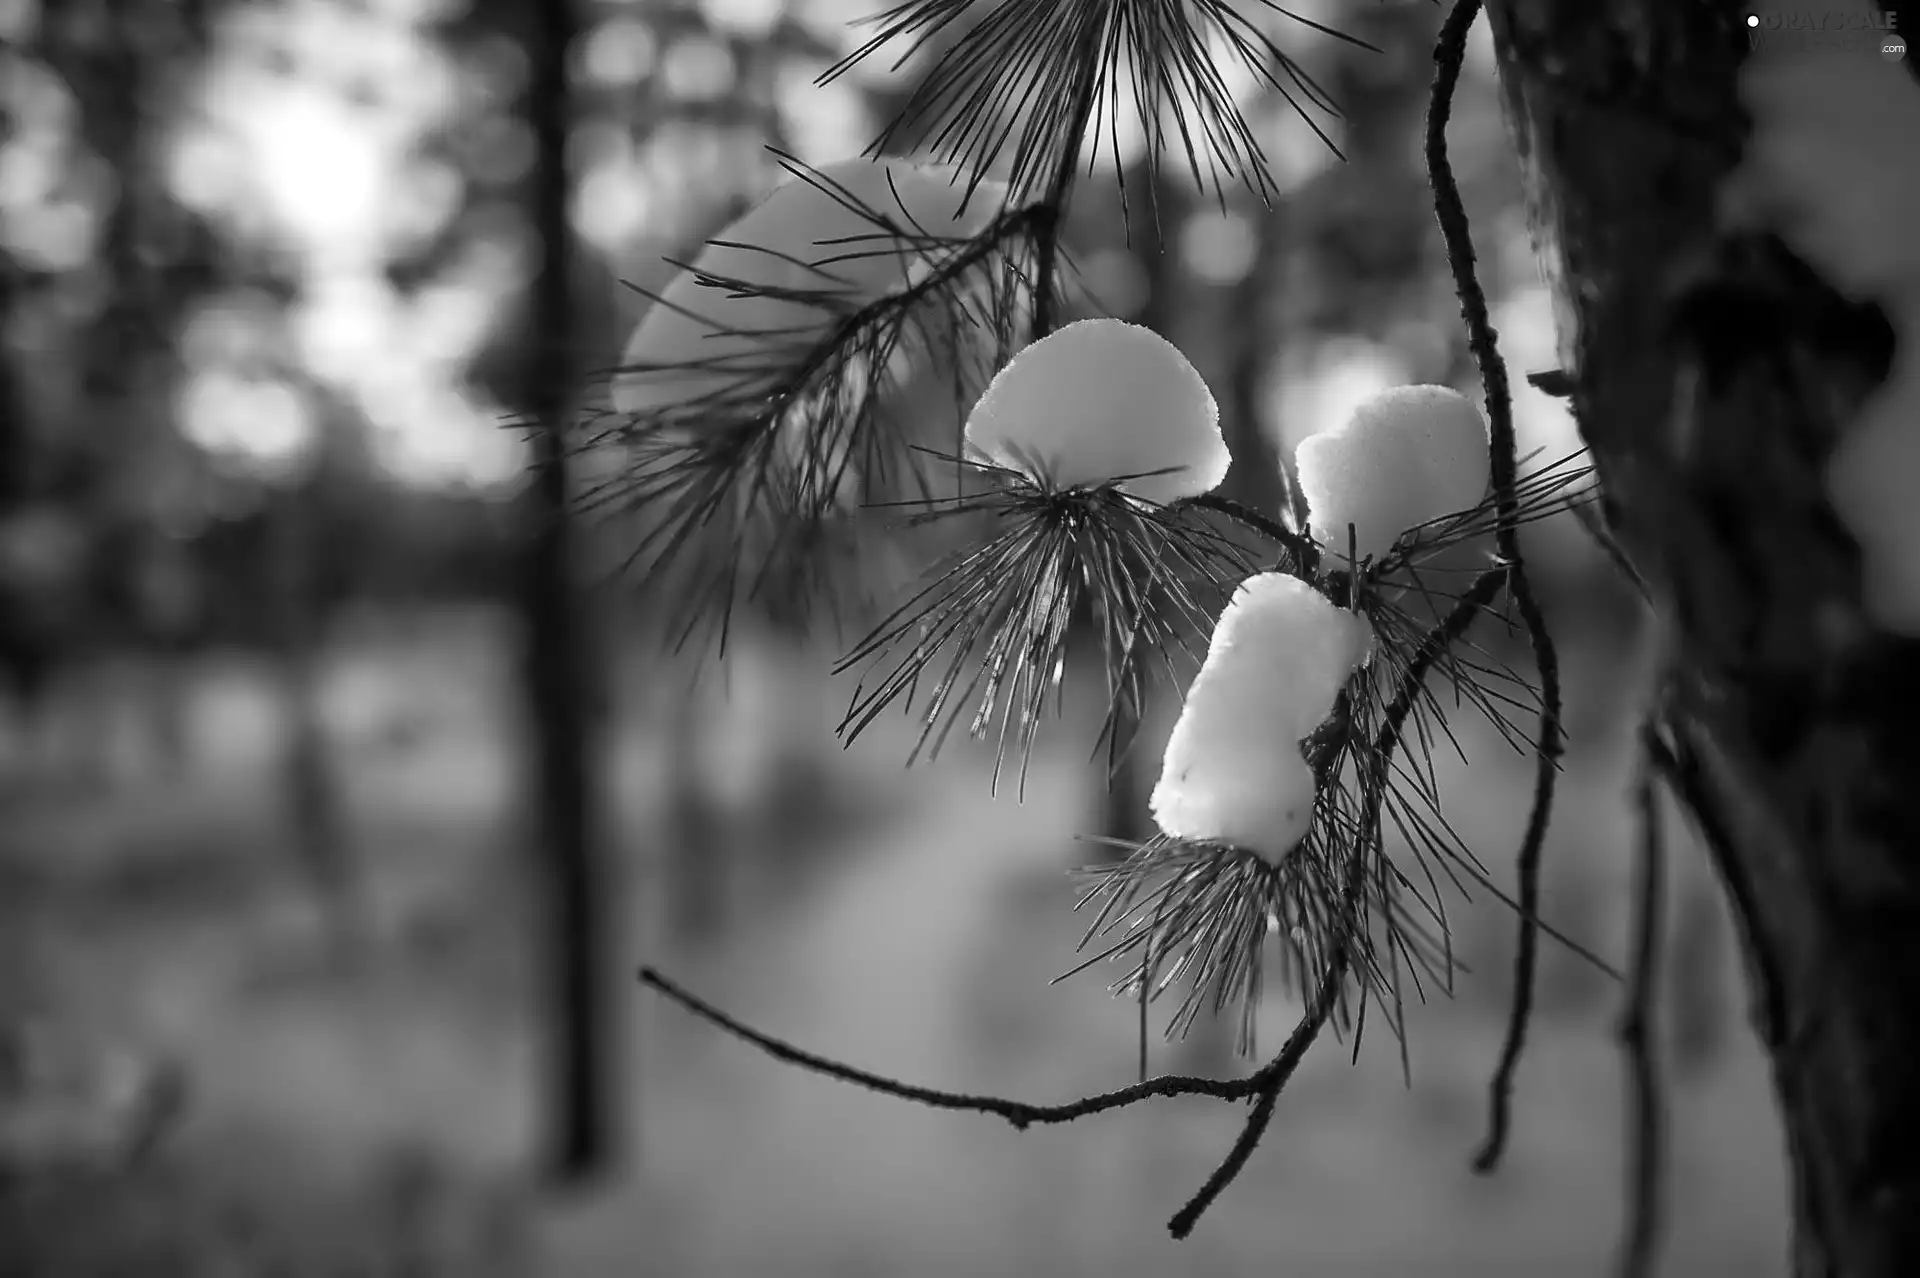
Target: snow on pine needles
x=1234 y=770
x=1103 y=401
x=1275 y=788
x=1406 y=459
x=1088 y=440
x=1089 y=463
x=1278 y=782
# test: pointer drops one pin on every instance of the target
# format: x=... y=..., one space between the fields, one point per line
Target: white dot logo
x=1753 y=19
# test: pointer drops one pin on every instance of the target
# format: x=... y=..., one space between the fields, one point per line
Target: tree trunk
x=559 y=655
x=315 y=806
x=1712 y=374
x=1245 y=316
x=1260 y=476
x=701 y=847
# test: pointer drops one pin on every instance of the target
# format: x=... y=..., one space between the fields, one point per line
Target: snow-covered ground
x=358 y=1113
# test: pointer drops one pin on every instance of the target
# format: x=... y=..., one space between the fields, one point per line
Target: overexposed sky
x=303 y=138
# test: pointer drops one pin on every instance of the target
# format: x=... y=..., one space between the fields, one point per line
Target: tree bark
x=1712 y=374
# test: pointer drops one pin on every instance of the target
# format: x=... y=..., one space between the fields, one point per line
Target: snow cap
x=1407 y=456
x=1100 y=400
x=1234 y=770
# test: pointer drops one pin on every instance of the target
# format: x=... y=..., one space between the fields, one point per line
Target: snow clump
x=1234 y=771
x=1407 y=456
x=1099 y=401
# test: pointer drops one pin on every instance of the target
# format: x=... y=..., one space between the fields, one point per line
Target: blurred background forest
x=280 y=988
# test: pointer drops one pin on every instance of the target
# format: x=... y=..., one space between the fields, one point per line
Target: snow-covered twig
x=1303 y=552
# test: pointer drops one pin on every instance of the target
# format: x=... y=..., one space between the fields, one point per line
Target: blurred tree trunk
x=315 y=805
x=699 y=849
x=170 y=597
x=1711 y=410
x=95 y=47
x=1158 y=207
x=20 y=459
x=560 y=655
x=128 y=64
x=1254 y=479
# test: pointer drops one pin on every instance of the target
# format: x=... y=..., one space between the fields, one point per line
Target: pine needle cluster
x=745 y=492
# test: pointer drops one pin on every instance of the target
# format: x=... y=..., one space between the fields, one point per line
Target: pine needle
x=990 y=629
x=748 y=491
x=1009 y=90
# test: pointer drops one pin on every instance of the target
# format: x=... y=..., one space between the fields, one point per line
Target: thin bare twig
x=1019 y=1113
x=1305 y=551
x=1086 y=92
x=1638 y=1034
x=1448 y=56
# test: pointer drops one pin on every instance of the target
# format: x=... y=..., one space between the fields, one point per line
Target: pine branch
x=1066 y=164
x=1264 y=1084
x=1281 y=1068
x=1012 y=91
x=1562 y=486
x=1031 y=77
x=1200 y=912
x=745 y=477
x=990 y=630
x=1304 y=551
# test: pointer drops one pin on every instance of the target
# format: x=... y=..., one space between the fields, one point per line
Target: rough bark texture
x=1713 y=374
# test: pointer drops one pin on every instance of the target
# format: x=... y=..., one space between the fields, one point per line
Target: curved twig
x=1305 y=551
x=1637 y=1033
x=1019 y=1113
x=1449 y=53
